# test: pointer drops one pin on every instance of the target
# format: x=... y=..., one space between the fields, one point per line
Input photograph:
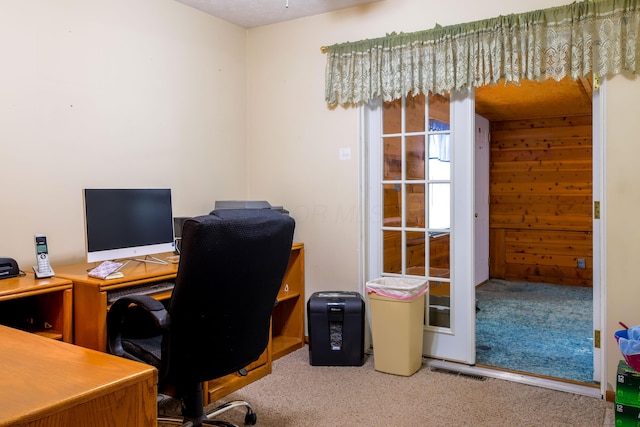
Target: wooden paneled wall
x=541 y=200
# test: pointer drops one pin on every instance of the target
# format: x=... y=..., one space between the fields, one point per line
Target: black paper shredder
x=336 y=328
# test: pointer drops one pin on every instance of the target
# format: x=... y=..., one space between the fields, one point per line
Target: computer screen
x=126 y=223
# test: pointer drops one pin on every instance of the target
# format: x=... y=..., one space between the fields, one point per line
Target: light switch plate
x=344 y=153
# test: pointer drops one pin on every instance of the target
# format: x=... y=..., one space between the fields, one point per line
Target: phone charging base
x=42 y=275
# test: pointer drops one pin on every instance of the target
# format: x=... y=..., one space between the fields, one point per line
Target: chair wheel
x=251 y=419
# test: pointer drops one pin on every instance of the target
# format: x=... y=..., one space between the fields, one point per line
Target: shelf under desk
x=90 y=295
x=40 y=306
x=90 y=306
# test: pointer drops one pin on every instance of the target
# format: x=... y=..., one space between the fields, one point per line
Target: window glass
x=392 y=197
x=414 y=157
x=392 y=251
x=416 y=185
x=392 y=158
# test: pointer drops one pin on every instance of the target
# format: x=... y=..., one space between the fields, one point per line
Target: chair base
x=250 y=417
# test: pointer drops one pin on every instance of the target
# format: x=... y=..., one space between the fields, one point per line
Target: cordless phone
x=43 y=269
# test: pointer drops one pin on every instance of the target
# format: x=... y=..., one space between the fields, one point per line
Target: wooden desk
x=90 y=312
x=41 y=306
x=90 y=295
x=51 y=383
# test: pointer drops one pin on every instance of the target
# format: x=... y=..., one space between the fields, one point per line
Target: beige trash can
x=397 y=328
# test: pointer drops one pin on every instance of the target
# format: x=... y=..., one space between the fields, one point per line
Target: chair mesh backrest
x=232 y=263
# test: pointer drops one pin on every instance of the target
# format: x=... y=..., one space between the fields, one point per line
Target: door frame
x=599 y=253
x=599 y=120
x=456 y=342
x=599 y=275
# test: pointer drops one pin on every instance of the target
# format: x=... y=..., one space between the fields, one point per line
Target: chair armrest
x=116 y=317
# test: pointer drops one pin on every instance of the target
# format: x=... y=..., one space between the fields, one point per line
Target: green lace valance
x=600 y=37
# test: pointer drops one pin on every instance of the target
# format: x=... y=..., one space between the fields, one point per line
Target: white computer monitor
x=127 y=223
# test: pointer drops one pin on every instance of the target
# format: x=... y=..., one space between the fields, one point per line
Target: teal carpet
x=535 y=328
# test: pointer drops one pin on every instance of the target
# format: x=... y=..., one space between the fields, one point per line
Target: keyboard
x=144 y=289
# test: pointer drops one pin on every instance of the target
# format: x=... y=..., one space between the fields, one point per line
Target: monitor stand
x=151 y=260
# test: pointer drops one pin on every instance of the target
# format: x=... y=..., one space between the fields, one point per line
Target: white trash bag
x=400 y=288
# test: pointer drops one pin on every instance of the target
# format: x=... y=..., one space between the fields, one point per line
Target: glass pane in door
x=439 y=254
x=392 y=202
x=439 y=157
x=412 y=166
x=392 y=117
x=439 y=206
x=439 y=312
x=415 y=114
x=392 y=158
x=415 y=195
x=415 y=250
x=415 y=157
x=416 y=185
x=392 y=251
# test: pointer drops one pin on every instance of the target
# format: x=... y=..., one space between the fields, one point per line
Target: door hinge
x=596 y=209
x=596 y=338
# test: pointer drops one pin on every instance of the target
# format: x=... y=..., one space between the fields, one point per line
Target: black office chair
x=232 y=264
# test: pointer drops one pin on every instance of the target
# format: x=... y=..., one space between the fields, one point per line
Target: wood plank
x=542 y=165
x=566 y=143
x=537 y=221
x=560 y=132
x=541 y=199
x=220 y=387
x=580 y=153
x=548 y=271
x=551 y=236
x=544 y=122
x=540 y=222
x=564 y=176
x=545 y=259
x=497 y=253
x=546 y=198
x=542 y=209
x=549 y=248
x=551 y=280
x=540 y=187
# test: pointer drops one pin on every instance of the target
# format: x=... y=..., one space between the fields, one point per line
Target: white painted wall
x=118 y=93
x=622 y=151
x=287 y=110
x=128 y=93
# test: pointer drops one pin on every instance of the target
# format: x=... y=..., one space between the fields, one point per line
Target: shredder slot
x=335 y=333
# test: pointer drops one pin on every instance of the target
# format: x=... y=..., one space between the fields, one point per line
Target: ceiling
x=497 y=102
x=256 y=13
x=534 y=99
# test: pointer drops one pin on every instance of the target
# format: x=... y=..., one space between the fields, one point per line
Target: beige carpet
x=297 y=394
